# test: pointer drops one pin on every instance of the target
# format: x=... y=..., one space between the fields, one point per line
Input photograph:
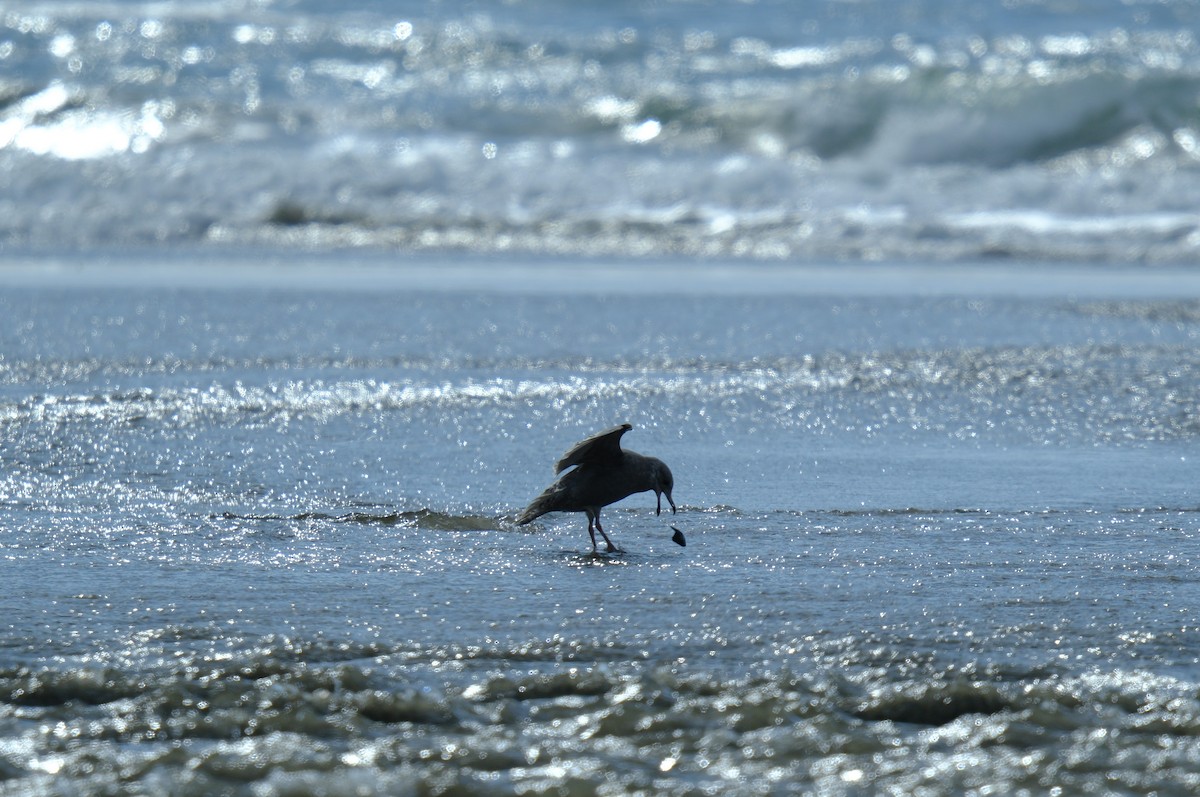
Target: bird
x=602 y=473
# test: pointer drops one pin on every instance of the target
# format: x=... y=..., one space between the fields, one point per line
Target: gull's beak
x=659 y=495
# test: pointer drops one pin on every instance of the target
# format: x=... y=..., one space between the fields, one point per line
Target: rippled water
x=259 y=540
x=878 y=129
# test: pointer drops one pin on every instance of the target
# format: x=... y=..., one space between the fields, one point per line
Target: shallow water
x=259 y=540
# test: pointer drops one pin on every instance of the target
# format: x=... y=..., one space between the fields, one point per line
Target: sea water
x=259 y=539
x=299 y=302
x=877 y=129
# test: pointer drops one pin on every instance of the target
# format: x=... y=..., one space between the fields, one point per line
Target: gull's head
x=663 y=484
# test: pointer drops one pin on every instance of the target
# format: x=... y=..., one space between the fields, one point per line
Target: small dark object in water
x=677 y=537
x=603 y=474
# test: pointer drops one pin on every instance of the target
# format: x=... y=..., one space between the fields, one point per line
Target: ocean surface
x=841 y=129
x=299 y=303
x=256 y=540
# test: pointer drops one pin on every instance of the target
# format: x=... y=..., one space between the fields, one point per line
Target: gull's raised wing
x=600 y=446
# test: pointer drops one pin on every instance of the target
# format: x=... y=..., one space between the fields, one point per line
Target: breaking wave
x=768 y=135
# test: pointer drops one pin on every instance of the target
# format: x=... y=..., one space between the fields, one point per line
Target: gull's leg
x=611 y=548
x=593 y=524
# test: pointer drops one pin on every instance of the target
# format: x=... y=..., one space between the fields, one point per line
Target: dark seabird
x=604 y=473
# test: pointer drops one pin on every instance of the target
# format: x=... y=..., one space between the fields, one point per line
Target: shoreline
x=536 y=274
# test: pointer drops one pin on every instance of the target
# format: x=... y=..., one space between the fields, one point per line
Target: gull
x=603 y=473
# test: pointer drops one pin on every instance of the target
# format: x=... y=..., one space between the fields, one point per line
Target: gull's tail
x=546 y=502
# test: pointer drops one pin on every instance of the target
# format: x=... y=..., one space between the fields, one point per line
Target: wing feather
x=600 y=446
